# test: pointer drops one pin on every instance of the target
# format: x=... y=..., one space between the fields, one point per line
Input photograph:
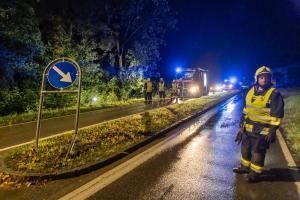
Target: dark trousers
x=149 y=97
x=253 y=149
x=174 y=96
x=162 y=96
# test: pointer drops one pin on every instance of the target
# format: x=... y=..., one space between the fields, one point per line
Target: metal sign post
x=61 y=73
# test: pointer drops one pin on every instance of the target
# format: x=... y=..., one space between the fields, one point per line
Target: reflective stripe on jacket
x=257 y=111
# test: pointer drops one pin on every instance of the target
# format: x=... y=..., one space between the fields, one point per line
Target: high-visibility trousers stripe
x=256 y=168
x=245 y=162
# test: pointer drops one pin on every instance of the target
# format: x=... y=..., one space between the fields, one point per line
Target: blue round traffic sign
x=62 y=74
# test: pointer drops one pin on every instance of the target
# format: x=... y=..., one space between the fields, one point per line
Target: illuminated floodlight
x=233 y=80
x=225 y=80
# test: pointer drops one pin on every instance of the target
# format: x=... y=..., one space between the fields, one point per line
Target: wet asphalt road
x=17 y=134
x=201 y=168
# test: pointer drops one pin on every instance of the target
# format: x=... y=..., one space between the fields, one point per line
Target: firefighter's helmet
x=148 y=79
x=262 y=70
x=161 y=79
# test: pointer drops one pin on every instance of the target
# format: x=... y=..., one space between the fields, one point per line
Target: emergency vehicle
x=192 y=83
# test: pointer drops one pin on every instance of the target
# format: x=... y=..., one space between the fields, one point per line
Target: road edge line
x=287 y=155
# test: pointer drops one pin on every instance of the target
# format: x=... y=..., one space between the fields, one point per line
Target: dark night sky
x=232 y=37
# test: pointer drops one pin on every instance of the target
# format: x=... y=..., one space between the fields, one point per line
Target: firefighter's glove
x=239 y=136
x=271 y=137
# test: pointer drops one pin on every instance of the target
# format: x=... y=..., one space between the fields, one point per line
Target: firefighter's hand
x=239 y=136
x=271 y=137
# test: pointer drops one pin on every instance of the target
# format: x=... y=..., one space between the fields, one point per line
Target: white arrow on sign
x=65 y=77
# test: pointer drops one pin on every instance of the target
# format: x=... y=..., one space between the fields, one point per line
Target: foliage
x=97 y=34
x=20 y=46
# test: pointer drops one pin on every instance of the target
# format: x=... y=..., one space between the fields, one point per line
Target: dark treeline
x=114 y=41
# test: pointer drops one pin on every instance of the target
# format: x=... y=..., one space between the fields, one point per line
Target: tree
x=137 y=28
x=20 y=46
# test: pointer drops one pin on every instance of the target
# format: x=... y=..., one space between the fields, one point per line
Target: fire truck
x=192 y=83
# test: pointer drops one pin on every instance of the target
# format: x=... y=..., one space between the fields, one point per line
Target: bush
x=15 y=101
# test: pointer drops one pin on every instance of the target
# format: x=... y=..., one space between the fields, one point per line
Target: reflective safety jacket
x=161 y=86
x=263 y=111
x=174 y=87
x=149 y=86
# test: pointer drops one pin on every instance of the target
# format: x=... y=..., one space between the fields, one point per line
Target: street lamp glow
x=94 y=99
x=178 y=70
x=225 y=80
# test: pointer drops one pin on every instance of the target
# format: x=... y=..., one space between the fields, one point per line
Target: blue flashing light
x=233 y=80
x=178 y=69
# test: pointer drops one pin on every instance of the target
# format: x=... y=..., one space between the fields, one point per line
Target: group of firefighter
x=149 y=89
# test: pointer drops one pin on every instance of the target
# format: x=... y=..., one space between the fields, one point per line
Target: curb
x=99 y=164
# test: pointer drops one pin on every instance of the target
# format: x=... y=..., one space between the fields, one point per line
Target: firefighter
x=161 y=90
x=261 y=118
x=174 y=91
x=145 y=90
x=148 y=88
x=180 y=88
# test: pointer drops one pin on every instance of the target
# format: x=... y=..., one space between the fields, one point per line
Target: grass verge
x=290 y=122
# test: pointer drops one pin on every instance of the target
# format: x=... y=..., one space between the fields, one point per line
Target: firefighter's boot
x=241 y=170
x=253 y=177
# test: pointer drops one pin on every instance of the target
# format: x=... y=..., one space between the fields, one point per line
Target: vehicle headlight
x=219 y=87
x=194 y=89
